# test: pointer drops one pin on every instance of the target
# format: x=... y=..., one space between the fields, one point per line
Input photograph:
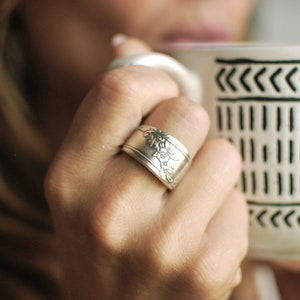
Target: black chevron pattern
x=246 y=78
x=277 y=217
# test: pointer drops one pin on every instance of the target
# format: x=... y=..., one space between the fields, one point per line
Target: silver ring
x=159 y=152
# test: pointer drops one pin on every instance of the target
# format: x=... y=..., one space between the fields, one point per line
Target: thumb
x=124 y=46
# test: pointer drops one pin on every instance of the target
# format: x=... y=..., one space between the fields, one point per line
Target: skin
x=123 y=235
x=71 y=41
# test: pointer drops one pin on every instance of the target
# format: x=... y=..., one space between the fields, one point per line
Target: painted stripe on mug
x=258 y=98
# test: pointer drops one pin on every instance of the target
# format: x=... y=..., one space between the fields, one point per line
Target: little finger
x=217 y=268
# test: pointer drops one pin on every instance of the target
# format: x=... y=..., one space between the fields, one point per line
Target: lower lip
x=188 y=39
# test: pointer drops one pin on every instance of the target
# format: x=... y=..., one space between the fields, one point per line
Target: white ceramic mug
x=252 y=94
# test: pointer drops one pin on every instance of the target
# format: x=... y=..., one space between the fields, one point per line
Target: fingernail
x=118 y=39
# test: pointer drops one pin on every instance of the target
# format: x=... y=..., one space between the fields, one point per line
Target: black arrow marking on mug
x=273 y=218
x=242 y=79
x=218 y=79
x=256 y=78
x=251 y=212
x=260 y=217
x=228 y=78
x=273 y=77
x=286 y=218
x=288 y=78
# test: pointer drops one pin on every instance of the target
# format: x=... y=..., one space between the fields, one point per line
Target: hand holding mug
x=124 y=234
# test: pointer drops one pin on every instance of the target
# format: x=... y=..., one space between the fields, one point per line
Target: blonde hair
x=28 y=259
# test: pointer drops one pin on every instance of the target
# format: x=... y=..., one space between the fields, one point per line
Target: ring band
x=159 y=152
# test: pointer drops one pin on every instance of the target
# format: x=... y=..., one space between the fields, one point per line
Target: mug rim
x=191 y=46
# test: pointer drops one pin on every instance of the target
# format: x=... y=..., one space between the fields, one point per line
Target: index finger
x=124 y=46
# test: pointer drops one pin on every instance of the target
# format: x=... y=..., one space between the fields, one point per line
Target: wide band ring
x=159 y=152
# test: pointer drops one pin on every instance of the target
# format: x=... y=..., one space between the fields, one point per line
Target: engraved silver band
x=159 y=152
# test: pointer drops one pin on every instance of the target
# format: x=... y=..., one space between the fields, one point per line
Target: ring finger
x=182 y=119
x=138 y=192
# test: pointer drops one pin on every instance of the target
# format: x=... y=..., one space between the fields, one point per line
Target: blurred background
x=277 y=21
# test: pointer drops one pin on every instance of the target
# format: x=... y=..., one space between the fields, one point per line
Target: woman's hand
x=122 y=234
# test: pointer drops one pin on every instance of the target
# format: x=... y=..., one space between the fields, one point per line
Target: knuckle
x=210 y=280
x=59 y=187
x=232 y=153
x=203 y=115
x=237 y=279
x=106 y=225
x=192 y=112
x=121 y=83
x=159 y=256
x=244 y=248
x=216 y=273
x=241 y=210
x=233 y=156
x=196 y=110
